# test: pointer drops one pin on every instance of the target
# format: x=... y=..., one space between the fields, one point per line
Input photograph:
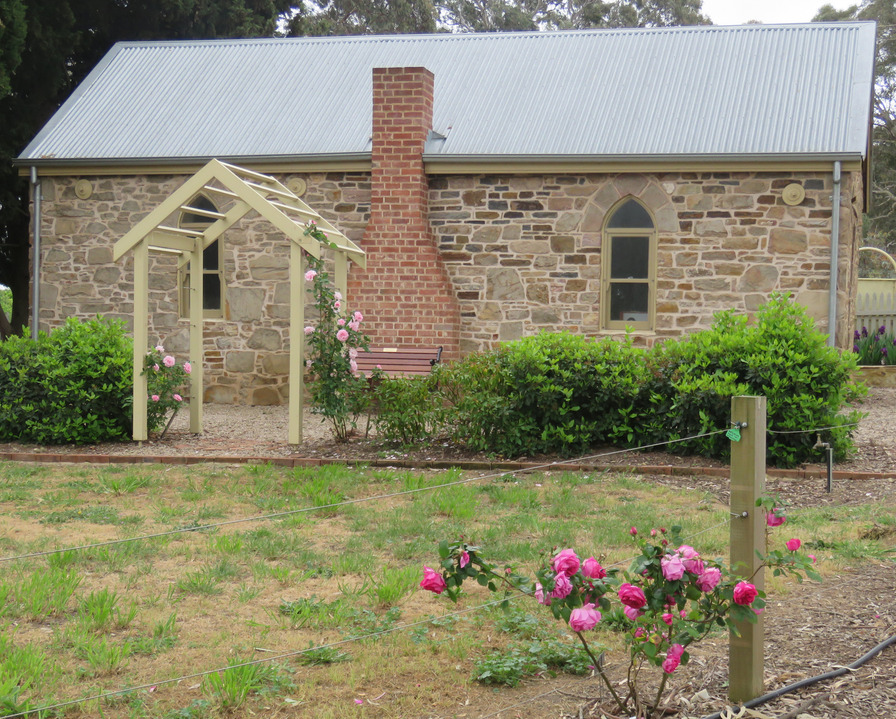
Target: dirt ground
x=818 y=628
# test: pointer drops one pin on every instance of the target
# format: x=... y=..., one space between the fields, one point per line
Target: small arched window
x=194 y=217
x=629 y=268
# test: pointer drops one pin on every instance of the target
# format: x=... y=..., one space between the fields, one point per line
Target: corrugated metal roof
x=750 y=90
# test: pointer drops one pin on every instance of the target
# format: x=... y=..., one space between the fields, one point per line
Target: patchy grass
x=328 y=597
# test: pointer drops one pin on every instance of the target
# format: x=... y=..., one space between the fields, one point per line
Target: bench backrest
x=399 y=362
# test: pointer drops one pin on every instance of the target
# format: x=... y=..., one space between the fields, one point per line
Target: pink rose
x=562 y=587
x=812 y=557
x=539 y=595
x=337 y=295
x=744 y=593
x=633 y=531
x=584 y=618
x=356 y=326
x=591 y=568
x=309 y=330
x=793 y=544
x=676 y=650
x=566 y=562
x=353 y=366
x=632 y=613
x=178 y=398
x=310 y=275
x=673 y=567
x=670 y=664
x=337 y=304
x=353 y=353
x=155 y=398
x=340 y=322
x=342 y=335
x=433 y=581
x=707 y=581
x=775 y=518
x=188 y=367
x=155 y=368
x=357 y=316
x=159 y=348
x=632 y=596
x=691 y=559
x=667 y=618
x=464 y=559
x=168 y=361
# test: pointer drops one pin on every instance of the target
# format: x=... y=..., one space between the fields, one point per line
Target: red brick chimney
x=405 y=293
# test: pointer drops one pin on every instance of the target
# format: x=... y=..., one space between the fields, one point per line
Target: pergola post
x=341 y=276
x=296 y=341
x=141 y=339
x=196 y=337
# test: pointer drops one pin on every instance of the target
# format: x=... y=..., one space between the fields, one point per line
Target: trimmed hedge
x=71 y=386
x=564 y=393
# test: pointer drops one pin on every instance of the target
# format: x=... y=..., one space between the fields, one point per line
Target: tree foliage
x=880 y=224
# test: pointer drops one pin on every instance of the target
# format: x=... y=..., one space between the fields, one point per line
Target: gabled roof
x=748 y=91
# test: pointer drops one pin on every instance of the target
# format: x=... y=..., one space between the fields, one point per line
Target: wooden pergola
x=247 y=191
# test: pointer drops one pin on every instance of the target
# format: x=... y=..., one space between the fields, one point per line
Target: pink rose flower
x=591 y=568
x=632 y=596
x=155 y=398
x=667 y=618
x=353 y=353
x=632 y=613
x=707 y=581
x=168 y=361
x=676 y=650
x=155 y=368
x=812 y=557
x=337 y=295
x=357 y=316
x=337 y=304
x=539 y=595
x=562 y=587
x=744 y=593
x=340 y=322
x=159 y=348
x=633 y=531
x=673 y=567
x=670 y=664
x=775 y=518
x=342 y=335
x=464 y=559
x=188 y=367
x=566 y=562
x=584 y=618
x=793 y=544
x=310 y=275
x=433 y=581
x=639 y=632
x=356 y=326
x=178 y=398
x=353 y=366
x=309 y=330
x=691 y=559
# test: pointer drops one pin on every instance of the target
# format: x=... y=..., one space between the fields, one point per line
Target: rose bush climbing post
x=164 y=377
x=338 y=392
x=668 y=599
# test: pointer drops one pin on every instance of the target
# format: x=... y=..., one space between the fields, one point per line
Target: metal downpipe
x=835 y=257
x=35 y=260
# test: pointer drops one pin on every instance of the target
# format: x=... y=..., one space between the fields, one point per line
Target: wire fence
x=372 y=635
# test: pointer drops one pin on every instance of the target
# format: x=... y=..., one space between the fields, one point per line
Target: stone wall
x=246 y=352
x=524 y=252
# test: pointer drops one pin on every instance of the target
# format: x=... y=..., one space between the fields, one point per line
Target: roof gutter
x=782 y=158
x=197 y=160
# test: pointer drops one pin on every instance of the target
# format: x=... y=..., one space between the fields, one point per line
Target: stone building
x=500 y=184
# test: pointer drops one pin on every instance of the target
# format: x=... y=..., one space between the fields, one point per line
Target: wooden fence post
x=746 y=652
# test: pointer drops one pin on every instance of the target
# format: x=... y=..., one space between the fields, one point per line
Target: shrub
x=73 y=385
x=164 y=382
x=409 y=410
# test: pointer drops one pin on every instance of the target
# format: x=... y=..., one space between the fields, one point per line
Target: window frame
x=607 y=281
x=183 y=274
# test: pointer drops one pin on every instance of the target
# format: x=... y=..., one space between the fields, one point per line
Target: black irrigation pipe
x=806 y=682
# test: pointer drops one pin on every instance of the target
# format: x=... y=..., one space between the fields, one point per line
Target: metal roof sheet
x=704 y=91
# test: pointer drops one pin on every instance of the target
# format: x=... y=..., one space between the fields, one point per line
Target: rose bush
x=163 y=378
x=669 y=598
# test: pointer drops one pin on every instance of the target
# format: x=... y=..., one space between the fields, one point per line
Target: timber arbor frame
x=248 y=191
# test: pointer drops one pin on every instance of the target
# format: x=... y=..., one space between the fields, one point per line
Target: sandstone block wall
x=520 y=253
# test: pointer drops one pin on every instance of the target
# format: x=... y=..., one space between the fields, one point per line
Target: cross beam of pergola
x=247 y=190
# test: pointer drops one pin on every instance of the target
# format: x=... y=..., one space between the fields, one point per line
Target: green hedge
x=563 y=393
x=71 y=386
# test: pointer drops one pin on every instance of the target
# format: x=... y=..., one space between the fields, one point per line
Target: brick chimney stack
x=405 y=293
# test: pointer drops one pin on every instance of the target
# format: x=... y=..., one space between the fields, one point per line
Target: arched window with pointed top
x=629 y=268
x=212 y=260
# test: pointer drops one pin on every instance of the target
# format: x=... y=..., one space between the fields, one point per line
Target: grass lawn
x=314 y=585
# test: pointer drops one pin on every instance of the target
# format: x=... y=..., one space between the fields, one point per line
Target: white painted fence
x=876 y=310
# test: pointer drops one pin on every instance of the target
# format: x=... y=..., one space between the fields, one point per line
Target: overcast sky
x=737 y=12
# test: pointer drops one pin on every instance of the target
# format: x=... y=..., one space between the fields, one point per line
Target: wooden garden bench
x=395 y=362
